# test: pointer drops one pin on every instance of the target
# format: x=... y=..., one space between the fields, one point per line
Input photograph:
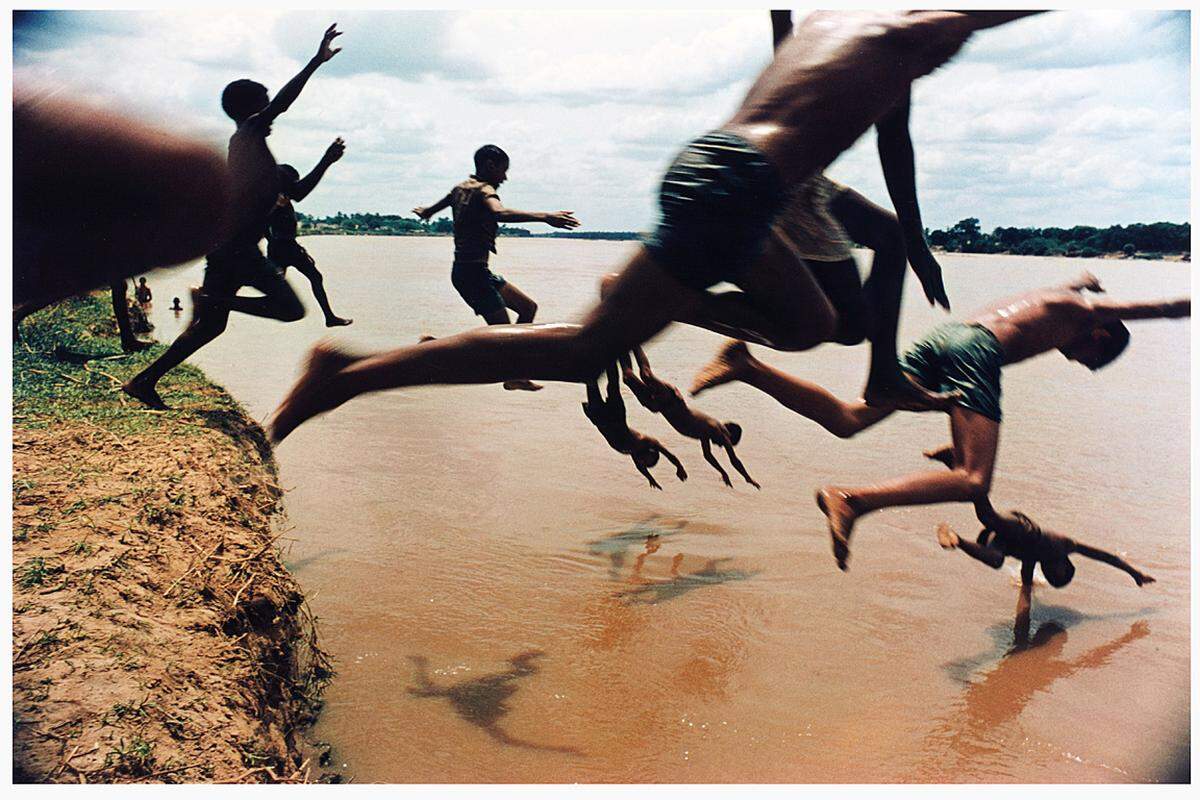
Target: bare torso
x=252 y=170
x=835 y=77
x=1036 y=322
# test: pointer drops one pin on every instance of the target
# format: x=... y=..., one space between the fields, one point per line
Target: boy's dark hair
x=1058 y=571
x=489 y=152
x=735 y=432
x=243 y=98
x=646 y=456
x=287 y=177
x=1114 y=344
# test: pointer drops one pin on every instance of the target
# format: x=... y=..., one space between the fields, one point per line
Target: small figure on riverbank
x=282 y=248
x=122 y=310
x=608 y=415
x=662 y=398
x=143 y=293
x=238 y=261
x=477 y=213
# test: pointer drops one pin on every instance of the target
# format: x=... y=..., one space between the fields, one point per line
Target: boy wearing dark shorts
x=477 y=213
x=282 y=248
x=238 y=261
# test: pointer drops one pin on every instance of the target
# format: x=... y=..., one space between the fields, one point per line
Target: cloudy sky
x=1067 y=118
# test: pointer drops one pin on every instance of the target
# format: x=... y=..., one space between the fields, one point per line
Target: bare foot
x=946 y=537
x=337 y=322
x=145 y=393
x=729 y=364
x=303 y=401
x=425 y=337
x=135 y=345
x=944 y=454
x=904 y=394
x=522 y=386
x=835 y=504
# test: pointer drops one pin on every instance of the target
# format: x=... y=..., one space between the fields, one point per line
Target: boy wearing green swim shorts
x=957 y=357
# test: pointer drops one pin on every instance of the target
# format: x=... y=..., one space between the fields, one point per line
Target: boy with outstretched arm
x=282 y=248
x=608 y=415
x=238 y=261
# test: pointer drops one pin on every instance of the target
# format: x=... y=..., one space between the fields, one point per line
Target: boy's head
x=287 y=177
x=244 y=98
x=735 y=432
x=491 y=164
x=141 y=280
x=1058 y=569
x=646 y=455
x=1099 y=346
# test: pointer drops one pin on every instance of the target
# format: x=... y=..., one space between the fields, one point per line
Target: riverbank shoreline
x=157 y=636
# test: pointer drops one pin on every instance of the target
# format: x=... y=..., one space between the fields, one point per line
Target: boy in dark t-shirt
x=477 y=216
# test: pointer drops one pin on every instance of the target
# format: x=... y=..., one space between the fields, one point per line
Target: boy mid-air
x=661 y=397
x=477 y=213
x=608 y=415
x=238 y=261
x=282 y=248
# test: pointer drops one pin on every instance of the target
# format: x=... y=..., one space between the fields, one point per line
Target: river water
x=561 y=621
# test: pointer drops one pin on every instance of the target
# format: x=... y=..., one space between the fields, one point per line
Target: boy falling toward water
x=608 y=415
x=477 y=213
x=238 y=261
x=282 y=248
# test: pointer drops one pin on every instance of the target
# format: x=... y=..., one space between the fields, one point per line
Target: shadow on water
x=483 y=701
x=616 y=547
x=973 y=736
x=678 y=585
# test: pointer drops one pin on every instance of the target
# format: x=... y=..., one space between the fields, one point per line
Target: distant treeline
x=617 y=236
x=386 y=225
x=1082 y=240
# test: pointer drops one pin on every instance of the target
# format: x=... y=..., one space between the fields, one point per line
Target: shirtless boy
x=955 y=357
x=661 y=397
x=239 y=262
x=608 y=415
x=837 y=76
x=282 y=248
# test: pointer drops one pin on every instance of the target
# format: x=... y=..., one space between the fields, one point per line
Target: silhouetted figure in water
x=238 y=261
x=121 y=312
x=282 y=248
x=176 y=306
x=608 y=415
x=482 y=701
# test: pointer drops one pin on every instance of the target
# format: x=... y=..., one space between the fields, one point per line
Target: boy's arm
x=646 y=473
x=291 y=90
x=680 y=472
x=425 y=212
x=1139 y=577
x=1108 y=310
x=555 y=219
x=1024 y=602
x=899 y=173
x=305 y=185
x=737 y=464
x=781 y=26
x=706 y=448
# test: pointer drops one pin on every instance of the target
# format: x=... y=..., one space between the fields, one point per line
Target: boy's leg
x=642 y=301
x=734 y=363
x=976 y=438
x=518 y=301
x=279 y=301
x=308 y=268
x=208 y=322
x=120 y=304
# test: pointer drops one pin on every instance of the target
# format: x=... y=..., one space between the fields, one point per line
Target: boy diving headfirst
x=477 y=213
x=831 y=81
x=282 y=248
x=238 y=261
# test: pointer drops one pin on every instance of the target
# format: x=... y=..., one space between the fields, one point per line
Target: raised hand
x=562 y=219
x=325 y=52
x=422 y=212
x=335 y=150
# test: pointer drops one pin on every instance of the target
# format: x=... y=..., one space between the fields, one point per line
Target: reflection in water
x=482 y=701
x=617 y=545
x=975 y=733
x=708 y=575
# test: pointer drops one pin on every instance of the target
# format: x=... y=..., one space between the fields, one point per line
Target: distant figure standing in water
x=143 y=294
x=176 y=306
x=238 y=261
x=282 y=248
x=956 y=357
x=478 y=212
x=840 y=73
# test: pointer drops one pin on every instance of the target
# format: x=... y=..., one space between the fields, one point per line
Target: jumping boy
x=477 y=213
x=282 y=248
x=239 y=261
x=956 y=357
x=661 y=397
x=837 y=76
x=608 y=415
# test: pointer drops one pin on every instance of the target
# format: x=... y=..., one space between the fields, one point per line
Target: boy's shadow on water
x=678 y=585
x=483 y=701
x=617 y=546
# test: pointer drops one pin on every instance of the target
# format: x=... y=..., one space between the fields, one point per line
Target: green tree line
x=1084 y=241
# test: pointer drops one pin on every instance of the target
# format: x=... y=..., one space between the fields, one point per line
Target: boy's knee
x=976 y=483
x=606 y=283
x=289 y=309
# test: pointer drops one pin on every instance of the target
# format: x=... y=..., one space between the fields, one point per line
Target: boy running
x=282 y=248
x=239 y=262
